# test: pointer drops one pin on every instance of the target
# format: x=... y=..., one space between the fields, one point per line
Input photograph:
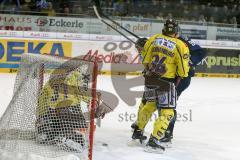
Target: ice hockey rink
x=207 y=127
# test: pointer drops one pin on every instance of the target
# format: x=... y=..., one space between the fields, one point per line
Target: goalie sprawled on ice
x=63 y=111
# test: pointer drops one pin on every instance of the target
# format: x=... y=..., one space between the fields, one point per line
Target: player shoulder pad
x=182 y=43
x=191 y=44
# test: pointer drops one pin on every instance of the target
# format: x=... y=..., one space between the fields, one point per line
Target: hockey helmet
x=170 y=27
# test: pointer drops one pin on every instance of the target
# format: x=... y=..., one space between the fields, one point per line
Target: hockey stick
x=121 y=26
x=97 y=4
x=99 y=13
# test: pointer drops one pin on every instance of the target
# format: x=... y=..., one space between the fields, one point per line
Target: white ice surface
x=212 y=106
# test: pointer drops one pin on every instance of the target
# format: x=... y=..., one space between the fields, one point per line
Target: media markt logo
x=41 y=21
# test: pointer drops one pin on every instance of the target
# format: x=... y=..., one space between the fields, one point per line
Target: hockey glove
x=140 y=43
x=191 y=72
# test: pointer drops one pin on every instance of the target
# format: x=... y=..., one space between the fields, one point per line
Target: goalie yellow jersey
x=63 y=92
x=169 y=52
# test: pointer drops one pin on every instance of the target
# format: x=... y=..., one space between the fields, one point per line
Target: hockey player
x=164 y=57
x=197 y=54
x=62 y=111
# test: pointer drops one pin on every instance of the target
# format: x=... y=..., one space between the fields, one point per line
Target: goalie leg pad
x=71 y=142
x=68 y=144
x=71 y=118
x=46 y=126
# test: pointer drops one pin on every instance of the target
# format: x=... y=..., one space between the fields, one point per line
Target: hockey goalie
x=60 y=114
x=53 y=108
x=63 y=111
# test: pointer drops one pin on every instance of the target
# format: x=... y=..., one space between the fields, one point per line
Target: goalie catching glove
x=102 y=108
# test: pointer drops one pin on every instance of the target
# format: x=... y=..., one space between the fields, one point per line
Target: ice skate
x=138 y=139
x=166 y=141
x=154 y=146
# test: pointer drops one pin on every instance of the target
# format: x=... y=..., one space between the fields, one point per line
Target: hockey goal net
x=51 y=113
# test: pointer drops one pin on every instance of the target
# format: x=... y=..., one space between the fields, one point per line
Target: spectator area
x=203 y=12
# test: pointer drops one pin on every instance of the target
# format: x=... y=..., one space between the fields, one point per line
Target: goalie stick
x=99 y=14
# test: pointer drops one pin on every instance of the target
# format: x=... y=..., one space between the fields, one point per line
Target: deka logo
x=11 y=50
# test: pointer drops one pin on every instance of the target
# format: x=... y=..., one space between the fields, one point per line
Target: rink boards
x=223 y=58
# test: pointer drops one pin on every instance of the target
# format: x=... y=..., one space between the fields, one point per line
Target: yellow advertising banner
x=12 y=49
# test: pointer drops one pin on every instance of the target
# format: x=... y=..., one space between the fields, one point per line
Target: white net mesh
x=49 y=114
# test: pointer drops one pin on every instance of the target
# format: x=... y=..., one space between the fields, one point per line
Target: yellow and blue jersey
x=169 y=52
x=197 y=52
